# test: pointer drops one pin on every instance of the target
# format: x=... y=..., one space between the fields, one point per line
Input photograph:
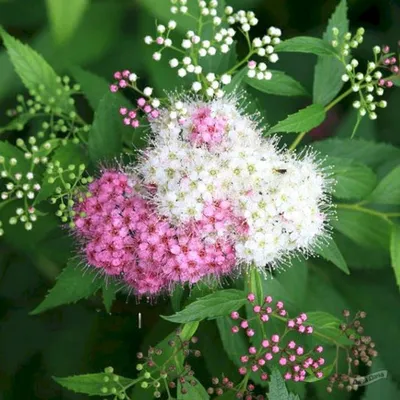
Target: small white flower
x=226 y=79
x=246 y=27
x=148 y=40
x=224 y=48
x=257 y=42
x=148 y=91
x=155 y=103
x=228 y=10
x=186 y=44
x=173 y=63
x=202 y=52
x=168 y=42
x=212 y=51
x=273 y=58
x=172 y=24
x=133 y=77
x=210 y=77
x=157 y=56
x=261 y=52
x=182 y=72
x=196 y=86
x=161 y=28
x=345 y=78
x=251 y=73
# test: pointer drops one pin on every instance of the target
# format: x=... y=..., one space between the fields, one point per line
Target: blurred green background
x=83 y=338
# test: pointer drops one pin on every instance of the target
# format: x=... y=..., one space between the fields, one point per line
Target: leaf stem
x=358 y=207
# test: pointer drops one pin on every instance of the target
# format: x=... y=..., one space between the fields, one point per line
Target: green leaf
x=36 y=73
x=93 y=86
x=73 y=284
x=212 y=306
x=17 y=124
x=105 y=138
x=236 y=344
x=65 y=17
x=363 y=228
x=256 y=284
x=93 y=384
x=306 y=44
x=326 y=371
x=109 y=291
x=354 y=181
x=277 y=387
x=328 y=72
x=196 y=392
x=176 y=298
x=331 y=252
x=363 y=151
x=280 y=84
x=66 y=155
x=236 y=81
x=388 y=189
x=327 y=327
x=9 y=151
x=395 y=251
x=302 y=121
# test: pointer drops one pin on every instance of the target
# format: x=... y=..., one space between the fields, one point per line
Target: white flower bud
x=273 y=58
x=372 y=116
x=161 y=28
x=157 y=56
x=345 y=77
x=172 y=24
x=226 y=79
x=148 y=40
x=356 y=104
x=210 y=77
x=148 y=91
x=174 y=63
x=228 y=10
x=251 y=73
x=186 y=44
x=224 y=48
x=376 y=49
x=182 y=72
x=133 y=77
x=202 y=52
x=382 y=104
x=196 y=86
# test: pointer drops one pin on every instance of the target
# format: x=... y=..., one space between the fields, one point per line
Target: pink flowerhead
x=287 y=376
x=291 y=344
x=254 y=368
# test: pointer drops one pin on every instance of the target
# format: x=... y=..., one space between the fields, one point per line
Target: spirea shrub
x=190 y=194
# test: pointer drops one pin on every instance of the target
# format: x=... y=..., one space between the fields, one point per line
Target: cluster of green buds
x=370 y=84
x=70 y=184
x=113 y=385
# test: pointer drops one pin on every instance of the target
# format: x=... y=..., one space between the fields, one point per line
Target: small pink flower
x=268 y=356
x=292 y=358
x=264 y=376
x=252 y=350
x=235 y=329
x=250 y=332
x=287 y=376
x=265 y=343
x=257 y=309
x=234 y=315
x=244 y=359
x=261 y=362
x=113 y=88
x=301 y=328
x=268 y=299
x=251 y=297
x=264 y=318
x=291 y=324
x=321 y=361
x=123 y=110
x=319 y=374
x=275 y=349
x=275 y=338
x=291 y=344
x=141 y=102
x=319 y=349
x=282 y=361
x=309 y=330
x=244 y=324
x=299 y=351
x=254 y=368
x=242 y=371
x=279 y=305
x=303 y=316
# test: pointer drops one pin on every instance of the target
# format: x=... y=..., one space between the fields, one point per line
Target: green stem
x=358 y=207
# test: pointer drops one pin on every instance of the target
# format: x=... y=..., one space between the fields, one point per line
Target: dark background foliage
x=83 y=338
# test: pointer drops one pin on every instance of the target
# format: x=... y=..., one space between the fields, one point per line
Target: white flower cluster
x=209 y=152
x=203 y=43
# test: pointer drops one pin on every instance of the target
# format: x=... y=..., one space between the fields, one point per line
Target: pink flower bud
x=290 y=324
x=252 y=64
x=282 y=313
x=254 y=368
x=386 y=61
x=252 y=350
x=141 y=102
x=155 y=114
x=251 y=297
x=381 y=82
x=309 y=330
x=132 y=114
x=275 y=338
x=113 y=88
x=319 y=349
x=126 y=73
x=250 y=332
x=299 y=321
x=261 y=362
x=235 y=329
x=147 y=108
x=234 y=315
x=264 y=376
x=265 y=343
x=123 y=83
x=300 y=351
x=303 y=316
x=275 y=349
x=257 y=309
x=389 y=84
x=268 y=310
x=321 y=361
x=296 y=368
x=292 y=344
x=244 y=359
x=242 y=371
x=268 y=356
x=264 y=318
x=395 y=69
x=287 y=376
x=319 y=374
x=244 y=324
x=292 y=358
x=279 y=305
x=135 y=123
x=268 y=299
x=160 y=40
x=127 y=121
x=301 y=328
x=282 y=361
x=385 y=49
x=117 y=75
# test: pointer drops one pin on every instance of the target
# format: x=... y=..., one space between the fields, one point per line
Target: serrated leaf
x=105 y=138
x=109 y=292
x=306 y=44
x=354 y=181
x=326 y=371
x=92 y=384
x=93 y=86
x=66 y=155
x=212 y=306
x=197 y=392
x=277 y=387
x=328 y=72
x=395 y=251
x=73 y=284
x=364 y=228
x=65 y=17
x=36 y=73
x=388 y=189
x=302 y=121
x=280 y=84
x=363 y=151
x=327 y=327
x=331 y=252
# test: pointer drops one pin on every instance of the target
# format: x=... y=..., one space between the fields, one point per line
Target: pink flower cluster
x=131 y=116
x=291 y=356
x=122 y=80
x=391 y=63
x=206 y=129
x=123 y=235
